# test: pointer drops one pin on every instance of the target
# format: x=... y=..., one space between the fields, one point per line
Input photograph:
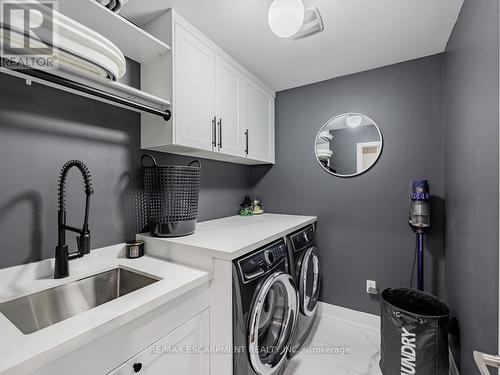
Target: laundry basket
x=414 y=330
x=171 y=193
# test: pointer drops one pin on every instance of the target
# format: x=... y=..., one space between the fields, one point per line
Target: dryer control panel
x=302 y=238
x=262 y=261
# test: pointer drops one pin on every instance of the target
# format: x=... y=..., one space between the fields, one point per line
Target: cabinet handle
x=137 y=367
x=246 y=141
x=220 y=133
x=214 y=135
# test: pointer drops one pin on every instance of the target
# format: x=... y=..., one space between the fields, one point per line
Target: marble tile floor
x=338 y=346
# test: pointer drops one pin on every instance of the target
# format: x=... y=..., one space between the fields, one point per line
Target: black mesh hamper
x=171 y=193
x=414 y=333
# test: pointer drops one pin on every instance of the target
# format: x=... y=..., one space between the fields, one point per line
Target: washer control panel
x=262 y=261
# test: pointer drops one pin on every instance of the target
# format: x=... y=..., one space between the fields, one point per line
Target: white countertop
x=231 y=237
x=16 y=347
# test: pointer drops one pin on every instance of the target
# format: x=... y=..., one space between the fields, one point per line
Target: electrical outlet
x=371 y=287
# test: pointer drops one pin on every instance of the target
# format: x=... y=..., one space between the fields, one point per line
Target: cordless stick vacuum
x=420 y=220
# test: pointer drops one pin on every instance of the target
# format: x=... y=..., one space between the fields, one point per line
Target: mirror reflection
x=348 y=144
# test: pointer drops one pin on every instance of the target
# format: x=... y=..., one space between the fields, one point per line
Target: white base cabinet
x=220 y=110
x=181 y=323
x=182 y=351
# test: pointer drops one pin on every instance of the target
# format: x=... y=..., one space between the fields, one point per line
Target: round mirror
x=348 y=145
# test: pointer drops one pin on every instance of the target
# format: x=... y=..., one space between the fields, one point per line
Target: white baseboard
x=348 y=315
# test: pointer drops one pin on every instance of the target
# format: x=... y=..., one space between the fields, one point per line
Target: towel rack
x=87 y=90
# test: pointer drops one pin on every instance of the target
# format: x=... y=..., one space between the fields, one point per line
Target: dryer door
x=309 y=282
x=272 y=320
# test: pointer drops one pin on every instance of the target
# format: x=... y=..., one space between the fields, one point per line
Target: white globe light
x=286 y=17
x=353 y=121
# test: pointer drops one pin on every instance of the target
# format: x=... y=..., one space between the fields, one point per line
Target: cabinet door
x=228 y=82
x=194 y=87
x=183 y=351
x=258 y=122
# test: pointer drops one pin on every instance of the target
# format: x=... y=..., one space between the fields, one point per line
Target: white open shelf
x=108 y=86
x=123 y=91
x=133 y=41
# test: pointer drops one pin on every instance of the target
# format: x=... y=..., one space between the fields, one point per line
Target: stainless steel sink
x=39 y=310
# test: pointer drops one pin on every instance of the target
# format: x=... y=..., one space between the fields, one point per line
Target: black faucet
x=61 y=267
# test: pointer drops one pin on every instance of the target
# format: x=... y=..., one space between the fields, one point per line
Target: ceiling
x=359 y=34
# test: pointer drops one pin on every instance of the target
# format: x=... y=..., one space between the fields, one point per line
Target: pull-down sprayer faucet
x=61 y=267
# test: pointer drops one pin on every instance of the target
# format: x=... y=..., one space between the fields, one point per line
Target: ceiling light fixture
x=286 y=17
x=353 y=121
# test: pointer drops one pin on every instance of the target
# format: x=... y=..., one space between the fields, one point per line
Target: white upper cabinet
x=214 y=100
x=228 y=84
x=258 y=122
x=194 y=85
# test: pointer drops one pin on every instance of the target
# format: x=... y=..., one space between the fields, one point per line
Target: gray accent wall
x=363 y=230
x=471 y=123
x=40 y=129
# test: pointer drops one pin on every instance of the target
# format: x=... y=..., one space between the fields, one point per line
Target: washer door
x=272 y=321
x=309 y=282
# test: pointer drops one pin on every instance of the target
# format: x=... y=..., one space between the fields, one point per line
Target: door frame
x=359 y=153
